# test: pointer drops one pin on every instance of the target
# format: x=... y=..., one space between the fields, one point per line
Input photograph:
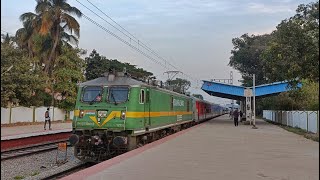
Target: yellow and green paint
x=160 y=108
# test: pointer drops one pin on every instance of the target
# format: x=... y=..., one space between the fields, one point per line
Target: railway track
x=62 y=171
x=67 y=171
x=33 y=149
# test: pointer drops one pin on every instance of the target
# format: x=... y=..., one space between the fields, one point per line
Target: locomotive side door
x=145 y=99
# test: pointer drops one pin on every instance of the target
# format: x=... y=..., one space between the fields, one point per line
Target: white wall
x=21 y=114
x=39 y=114
x=307 y=120
x=5 y=115
x=312 y=121
x=25 y=114
x=59 y=114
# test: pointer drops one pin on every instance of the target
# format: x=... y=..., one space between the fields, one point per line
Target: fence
x=307 y=120
x=32 y=114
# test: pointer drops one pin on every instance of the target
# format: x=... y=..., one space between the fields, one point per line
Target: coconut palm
x=24 y=36
x=54 y=15
x=53 y=18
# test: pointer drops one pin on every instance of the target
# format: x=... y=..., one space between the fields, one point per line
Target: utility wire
x=131 y=37
x=124 y=41
x=145 y=46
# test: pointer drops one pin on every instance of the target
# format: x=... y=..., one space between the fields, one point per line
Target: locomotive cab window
x=142 y=96
x=92 y=94
x=118 y=94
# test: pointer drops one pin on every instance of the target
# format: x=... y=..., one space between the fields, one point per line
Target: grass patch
x=34 y=173
x=296 y=130
x=19 y=177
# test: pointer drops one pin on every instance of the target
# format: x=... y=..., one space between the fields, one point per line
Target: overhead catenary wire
x=131 y=38
x=141 y=43
x=124 y=41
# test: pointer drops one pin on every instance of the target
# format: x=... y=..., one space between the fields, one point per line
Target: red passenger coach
x=200 y=109
x=203 y=110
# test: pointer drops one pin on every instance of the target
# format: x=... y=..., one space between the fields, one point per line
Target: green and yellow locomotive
x=116 y=113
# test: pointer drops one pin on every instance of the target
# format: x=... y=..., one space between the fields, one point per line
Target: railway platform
x=16 y=137
x=17 y=132
x=216 y=150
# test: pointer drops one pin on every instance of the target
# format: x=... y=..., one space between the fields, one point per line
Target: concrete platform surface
x=33 y=130
x=216 y=150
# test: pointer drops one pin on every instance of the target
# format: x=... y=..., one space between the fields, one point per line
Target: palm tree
x=25 y=35
x=53 y=18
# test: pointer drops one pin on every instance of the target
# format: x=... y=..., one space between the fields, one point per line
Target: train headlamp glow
x=123 y=115
x=81 y=113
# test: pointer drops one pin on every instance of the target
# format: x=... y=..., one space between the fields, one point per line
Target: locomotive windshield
x=118 y=94
x=92 y=94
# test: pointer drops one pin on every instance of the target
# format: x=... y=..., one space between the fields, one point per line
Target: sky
x=195 y=36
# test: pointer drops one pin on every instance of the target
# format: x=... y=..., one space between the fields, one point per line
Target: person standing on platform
x=235 y=117
x=47 y=118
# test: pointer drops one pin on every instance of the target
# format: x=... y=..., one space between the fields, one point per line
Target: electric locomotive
x=116 y=113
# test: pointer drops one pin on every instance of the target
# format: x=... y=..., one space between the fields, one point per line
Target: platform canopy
x=238 y=92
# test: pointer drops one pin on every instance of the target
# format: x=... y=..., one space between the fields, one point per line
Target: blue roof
x=237 y=92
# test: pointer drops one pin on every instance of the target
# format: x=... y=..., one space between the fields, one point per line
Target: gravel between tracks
x=32 y=165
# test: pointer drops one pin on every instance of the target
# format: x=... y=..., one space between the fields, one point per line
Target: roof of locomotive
x=122 y=81
x=125 y=80
x=118 y=80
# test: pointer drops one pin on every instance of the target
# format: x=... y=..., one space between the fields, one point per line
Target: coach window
x=142 y=96
x=171 y=105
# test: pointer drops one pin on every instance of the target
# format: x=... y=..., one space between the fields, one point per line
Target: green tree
x=291 y=53
x=96 y=65
x=294 y=51
x=68 y=72
x=20 y=84
x=44 y=46
x=308 y=96
x=246 y=57
x=24 y=35
x=178 y=85
x=53 y=18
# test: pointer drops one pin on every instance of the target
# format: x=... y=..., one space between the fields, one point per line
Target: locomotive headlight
x=123 y=115
x=81 y=113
